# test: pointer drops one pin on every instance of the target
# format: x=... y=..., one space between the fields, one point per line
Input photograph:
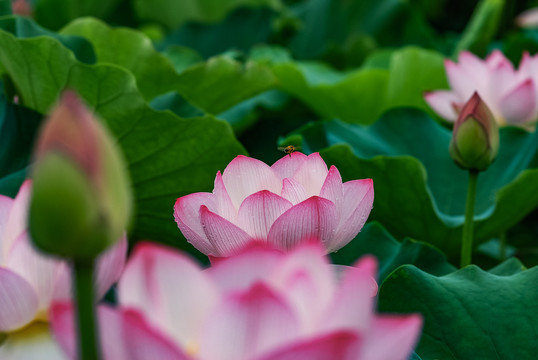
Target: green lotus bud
x=81 y=199
x=475 y=139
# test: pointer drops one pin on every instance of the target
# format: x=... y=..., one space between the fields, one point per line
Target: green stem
x=86 y=321
x=467 y=238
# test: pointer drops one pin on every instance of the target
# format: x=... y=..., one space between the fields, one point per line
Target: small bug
x=289 y=149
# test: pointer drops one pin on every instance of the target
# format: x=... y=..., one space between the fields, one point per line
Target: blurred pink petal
x=169 y=289
x=16 y=221
x=340 y=345
x=519 y=105
x=314 y=218
x=392 y=337
x=110 y=266
x=18 y=301
x=444 y=103
x=259 y=211
x=39 y=271
x=247 y=325
x=510 y=94
x=124 y=335
x=244 y=176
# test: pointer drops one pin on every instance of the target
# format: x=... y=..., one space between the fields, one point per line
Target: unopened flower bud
x=81 y=200
x=475 y=139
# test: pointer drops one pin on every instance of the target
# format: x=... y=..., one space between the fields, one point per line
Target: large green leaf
x=419 y=191
x=167 y=156
x=359 y=96
x=173 y=13
x=469 y=314
x=390 y=253
x=213 y=86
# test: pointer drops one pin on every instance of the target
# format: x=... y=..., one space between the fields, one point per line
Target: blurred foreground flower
x=80 y=203
x=511 y=94
x=295 y=199
x=31 y=281
x=259 y=304
x=528 y=19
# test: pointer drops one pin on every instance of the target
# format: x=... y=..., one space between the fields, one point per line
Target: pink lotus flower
x=294 y=200
x=30 y=281
x=261 y=304
x=511 y=94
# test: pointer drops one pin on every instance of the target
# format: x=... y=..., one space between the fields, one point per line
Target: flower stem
x=86 y=321
x=467 y=238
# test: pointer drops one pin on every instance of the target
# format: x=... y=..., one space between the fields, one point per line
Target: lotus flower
x=260 y=304
x=510 y=94
x=294 y=200
x=30 y=282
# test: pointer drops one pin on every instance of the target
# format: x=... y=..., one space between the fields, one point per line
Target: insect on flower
x=289 y=149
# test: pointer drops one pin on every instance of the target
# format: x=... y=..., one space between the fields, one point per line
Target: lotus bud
x=475 y=139
x=81 y=200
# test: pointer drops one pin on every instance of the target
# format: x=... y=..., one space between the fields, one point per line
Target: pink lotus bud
x=475 y=139
x=81 y=198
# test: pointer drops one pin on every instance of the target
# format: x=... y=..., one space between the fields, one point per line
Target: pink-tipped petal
x=253 y=264
x=244 y=176
x=259 y=211
x=286 y=166
x=519 y=105
x=226 y=238
x=306 y=280
x=110 y=266
x=444 y=103
x=342 y=345
x=39 y=270
x=314 y=218
x=392 y=337
x=16 y=221
x=311 y=174
x=247 y=325
x=169 y=289
x=353 y=302
x=223 y=204
x=18 y=301
x=124 y=335
x=497 y=59
x=293 y=191
x=187 y=215
x=468 y=60
x=333 y=189
x=34 y=342
x=358 y=202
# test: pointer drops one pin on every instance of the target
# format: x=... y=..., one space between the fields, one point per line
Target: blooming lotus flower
x=510 y=94
x=260 y=304
x=30 y=282
x=294 y=200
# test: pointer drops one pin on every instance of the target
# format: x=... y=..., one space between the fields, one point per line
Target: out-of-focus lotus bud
x=81 y=200
x=475 y=139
